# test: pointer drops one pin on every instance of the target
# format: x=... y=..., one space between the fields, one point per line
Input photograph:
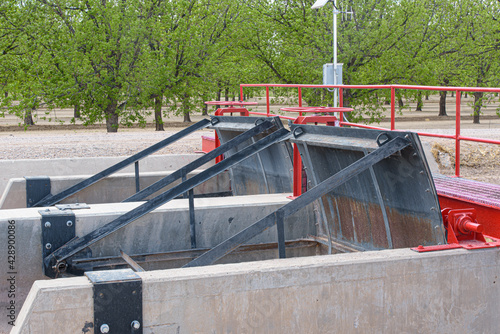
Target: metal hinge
x=58 y=227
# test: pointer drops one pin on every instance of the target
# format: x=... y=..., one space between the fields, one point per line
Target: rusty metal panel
x=267 y=172
x=392 y=205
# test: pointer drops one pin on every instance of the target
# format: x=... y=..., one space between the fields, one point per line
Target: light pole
x=337 y=68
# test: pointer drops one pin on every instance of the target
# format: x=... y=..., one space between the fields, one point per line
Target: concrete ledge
x=83 y=166
x=165 y=229
x=112 y=189
x=391 y=291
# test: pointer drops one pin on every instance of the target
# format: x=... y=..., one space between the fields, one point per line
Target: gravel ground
x=52 y=140
x=67 y=144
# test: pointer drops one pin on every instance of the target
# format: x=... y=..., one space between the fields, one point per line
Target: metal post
x=267 y=100
x=300 y=100
x=280 y=226
x=297 y=172
x=241 y=93
x=192 y=221
x=393 y=108
x=137 y=184
x=335 y=13
x=341 y=104
x=457 y=135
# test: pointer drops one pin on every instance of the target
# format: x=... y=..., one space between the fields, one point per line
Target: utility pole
x=332 y=73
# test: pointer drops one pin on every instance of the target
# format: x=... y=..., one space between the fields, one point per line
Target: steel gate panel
x=392 y=205
x=268 y=172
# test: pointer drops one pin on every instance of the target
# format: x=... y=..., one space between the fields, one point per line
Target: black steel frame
x=57 y=259
x=386 y=149
x=158 y=185
x=54 y=199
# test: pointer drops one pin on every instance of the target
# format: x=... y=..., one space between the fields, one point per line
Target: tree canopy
x=117 y=59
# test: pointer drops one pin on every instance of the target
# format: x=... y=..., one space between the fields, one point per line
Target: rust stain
x=408 y=230
x=346 y=227
x=379 y=234
x=362 y=224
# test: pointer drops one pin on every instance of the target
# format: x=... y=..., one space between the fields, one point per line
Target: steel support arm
x=227 y=246
x=48 y=201
x=200 y=161
x=78 y=244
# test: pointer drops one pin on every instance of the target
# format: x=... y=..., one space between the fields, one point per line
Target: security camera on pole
x=332 y=73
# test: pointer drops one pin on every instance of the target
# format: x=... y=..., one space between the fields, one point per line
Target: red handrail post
x=241 y=93
x=297 y=172
x=341 y=104
x=457 y=134
x=267 y=100
x=300 y=100
x=393 y=108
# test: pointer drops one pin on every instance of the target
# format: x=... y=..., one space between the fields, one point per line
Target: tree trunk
x=185 y=108
x=452 y=93
x=76 y=111
x=111 y=117
x=420 y=103
x=204 y=111
x=466 y=95
x=6 y=94
x=478 y=99
x=28 y=117
x=226 y=94
x=442 y=103
x=158 y=115
x=401 y=104
x=346 y=98
x=427 y=95
x=219 y=93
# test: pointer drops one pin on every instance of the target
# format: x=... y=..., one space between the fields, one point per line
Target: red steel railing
x=457 y=136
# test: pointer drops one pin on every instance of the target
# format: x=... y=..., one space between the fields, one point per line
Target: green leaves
x=114 y=58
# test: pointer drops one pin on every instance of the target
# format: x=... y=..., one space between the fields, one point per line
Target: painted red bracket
x=463 y=232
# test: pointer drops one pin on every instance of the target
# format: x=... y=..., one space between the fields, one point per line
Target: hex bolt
x=48 y=224
x=104 y=328
x=69 y=223
x=135 y=324
x=48 y=246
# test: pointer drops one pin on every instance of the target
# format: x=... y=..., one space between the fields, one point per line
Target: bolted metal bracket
x=117 y=301
x=37 y=188
x=58 y=227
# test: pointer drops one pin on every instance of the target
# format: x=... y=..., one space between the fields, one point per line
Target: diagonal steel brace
x=200 y=161
x=387 y=149
x=51 y=200
x=57 y=258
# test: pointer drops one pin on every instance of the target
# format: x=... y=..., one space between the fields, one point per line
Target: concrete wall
x=165 y=229
x=392 y=291
x=112 y=189
x=83 y=166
